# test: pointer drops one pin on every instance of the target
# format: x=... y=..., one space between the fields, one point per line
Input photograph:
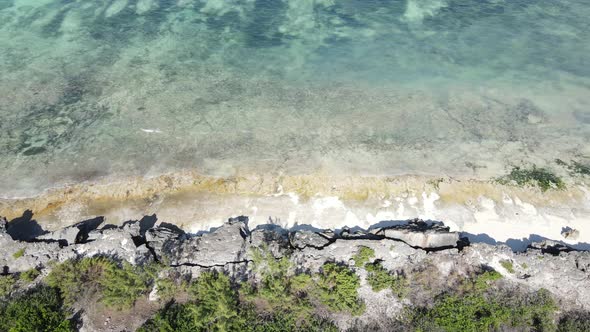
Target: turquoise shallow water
x=125 y=87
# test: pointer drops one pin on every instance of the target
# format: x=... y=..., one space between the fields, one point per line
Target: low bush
x=214 y=308
x=29 y=275
x=122 y=285
x=337 y=289
x=379 y=278
x=6 y=285
x=574 y=321
x=477 y=308
x=39 y=310
x=363 y=256
x=119 y=284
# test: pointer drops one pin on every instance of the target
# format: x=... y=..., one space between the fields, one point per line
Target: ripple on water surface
x=113 y=88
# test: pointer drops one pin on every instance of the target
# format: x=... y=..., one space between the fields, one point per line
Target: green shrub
x=40 y=310
x=167 y=289
x=575 y=321
x=18 y=254
x=29 y=275
x=78 y=279
x=379 y=278
x=534 y=310
x=118 y=284
x=483 y=311
x=284 y=322
x=215 y=308
x=6 y=285
x=540 y=177
x=337 y=289
x=278 y=289
x=363 y=256
x=122 y=286
x=483 y=281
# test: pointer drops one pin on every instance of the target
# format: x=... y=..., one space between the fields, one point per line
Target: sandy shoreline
x=482 y=209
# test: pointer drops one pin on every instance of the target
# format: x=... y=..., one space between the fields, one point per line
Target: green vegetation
x=276 y=297
x=483 y=281
x=215 y=308
x=379 y=278
x=278 y=290
x=29 y=275
x=167 y=289
x=123 y=285
x=276 y=300
x=337 y=289
x=18 y=254
x=40 y=310
x=540 y=177
x=119 y=284
x=6 y=285
x=475 y=307
x=507 y=265
x=363 y=256
x=575 y=321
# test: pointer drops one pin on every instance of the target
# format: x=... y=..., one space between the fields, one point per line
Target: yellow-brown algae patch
x=141 y=192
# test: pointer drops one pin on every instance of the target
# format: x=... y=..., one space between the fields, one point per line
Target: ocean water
x=94 y=89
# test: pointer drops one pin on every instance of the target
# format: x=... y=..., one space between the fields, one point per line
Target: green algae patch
x=575 y=167
x=536 y=177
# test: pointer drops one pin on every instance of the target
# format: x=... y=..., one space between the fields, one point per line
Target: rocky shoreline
x=409 y=246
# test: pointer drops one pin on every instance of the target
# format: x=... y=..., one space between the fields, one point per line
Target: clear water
x=131 y=87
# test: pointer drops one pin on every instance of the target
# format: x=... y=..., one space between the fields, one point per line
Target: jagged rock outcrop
x=411 y=246
x=421 y=234
x=306 y=238
x=221 y=246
